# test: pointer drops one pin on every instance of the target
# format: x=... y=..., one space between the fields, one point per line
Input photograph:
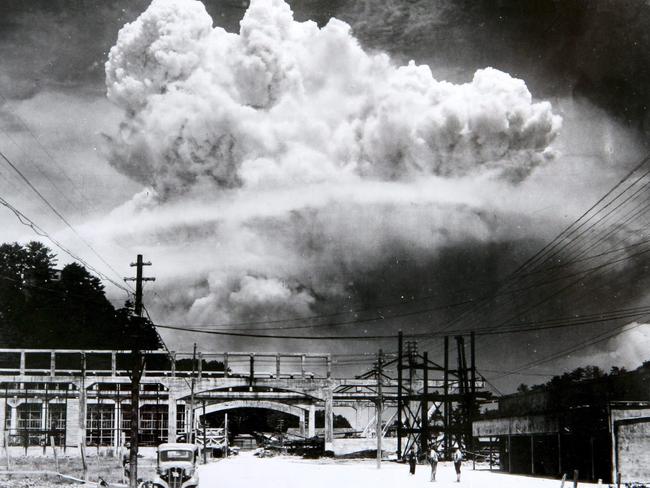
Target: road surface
x=247 y=471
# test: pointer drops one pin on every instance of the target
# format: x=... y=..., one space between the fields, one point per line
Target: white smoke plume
x=293 y=164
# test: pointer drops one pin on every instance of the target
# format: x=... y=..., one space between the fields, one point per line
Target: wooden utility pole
x=400 y=361
x=192 y=386
x=380 y=399
x=137 y=367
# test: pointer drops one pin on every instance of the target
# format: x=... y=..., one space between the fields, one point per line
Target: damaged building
x=599 y=428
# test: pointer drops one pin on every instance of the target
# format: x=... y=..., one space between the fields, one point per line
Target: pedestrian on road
x=126 y=462
x=412 y=461
x=433 y=460
x=458 y=460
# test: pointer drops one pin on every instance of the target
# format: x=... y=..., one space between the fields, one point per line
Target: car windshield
x=176 y=455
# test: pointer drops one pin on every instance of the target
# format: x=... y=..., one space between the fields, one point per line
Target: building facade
x=598 y=428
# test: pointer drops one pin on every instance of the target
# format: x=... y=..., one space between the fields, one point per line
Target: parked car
x=176 y=466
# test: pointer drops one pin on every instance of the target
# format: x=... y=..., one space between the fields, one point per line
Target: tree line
x=45 y=307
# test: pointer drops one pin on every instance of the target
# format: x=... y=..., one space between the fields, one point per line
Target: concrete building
x=78 y=397
x=599 y=427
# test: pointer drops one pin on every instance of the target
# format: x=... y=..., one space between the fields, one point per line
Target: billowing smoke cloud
x=297 y=166
x=286 y=103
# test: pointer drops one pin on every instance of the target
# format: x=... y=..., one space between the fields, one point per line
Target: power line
x=55 y=211
x=46 y=152
x=553 y=245
x=26 y=221
x=532 y=327
x=576 y=347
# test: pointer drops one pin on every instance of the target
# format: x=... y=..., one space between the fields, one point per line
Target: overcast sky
x=303 y=169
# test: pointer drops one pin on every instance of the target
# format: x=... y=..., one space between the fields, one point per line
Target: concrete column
x=13 y=421
x=302 y=423
x=73 y=431
x=311 y=425
x=329 y=420
x=171 y=419
x=52 y=363
x=117 y=442
x=44 y=406
x=3 y=415
x=532 y=454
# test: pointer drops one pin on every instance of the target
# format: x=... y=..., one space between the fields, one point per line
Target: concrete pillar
x=52 y=363
x=302 y=423
x=329 y=420
x=3 y=414
x=311 y=424
x=277 y=366
x=73 y=431
x=171 y=419
x=44 y=406
x=117 y=442
x=532 y=454
x=13 y=421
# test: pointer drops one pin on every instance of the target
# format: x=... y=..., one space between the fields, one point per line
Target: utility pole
x=400 y=361
x=192 y=386
x=225 y=432
x=137 y=367
x=380 y=399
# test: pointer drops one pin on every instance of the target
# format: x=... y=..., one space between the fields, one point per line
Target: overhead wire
x=38 y=230
x=46 y=151
x=56 y=212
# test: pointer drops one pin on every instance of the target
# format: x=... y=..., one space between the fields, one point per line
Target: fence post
x=56 y=456
x=6 y=439
x=575 y=478
x=84 y=465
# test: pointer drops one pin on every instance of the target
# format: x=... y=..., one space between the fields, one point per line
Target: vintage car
x=176 y=466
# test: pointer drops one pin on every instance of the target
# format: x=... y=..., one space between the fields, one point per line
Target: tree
x=523 y=388
x=340 y=422
x=42 y=309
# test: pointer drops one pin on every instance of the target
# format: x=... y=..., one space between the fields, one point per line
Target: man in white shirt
x=433 y=460
x=458 y=460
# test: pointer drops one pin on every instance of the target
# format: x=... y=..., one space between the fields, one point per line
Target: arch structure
x=295 y=410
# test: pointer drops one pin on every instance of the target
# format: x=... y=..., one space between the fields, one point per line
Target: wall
x=630 y=431
x=342 y=447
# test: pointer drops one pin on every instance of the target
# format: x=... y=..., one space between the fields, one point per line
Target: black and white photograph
x=324 y=243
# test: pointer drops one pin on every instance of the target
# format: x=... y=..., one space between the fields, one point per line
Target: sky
x=377 y=165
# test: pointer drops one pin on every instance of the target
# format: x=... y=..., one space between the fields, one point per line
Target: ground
x=246 y=471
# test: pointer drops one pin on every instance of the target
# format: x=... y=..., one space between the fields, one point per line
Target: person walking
x=412 y=459
x=458 y=461
x=433 y=460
